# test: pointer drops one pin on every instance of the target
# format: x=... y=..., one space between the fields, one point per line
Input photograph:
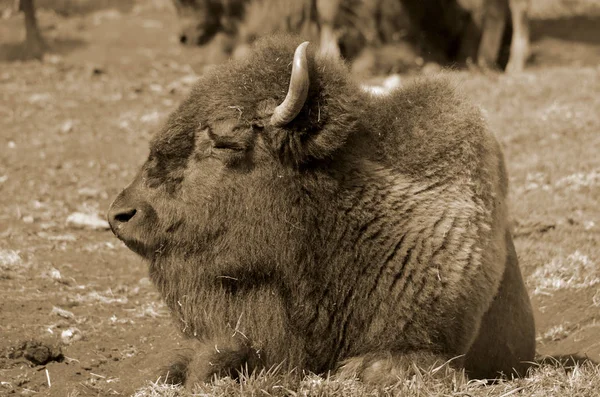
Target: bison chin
x=140 y=248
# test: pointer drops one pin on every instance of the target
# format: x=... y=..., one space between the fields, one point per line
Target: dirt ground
x=75 y=126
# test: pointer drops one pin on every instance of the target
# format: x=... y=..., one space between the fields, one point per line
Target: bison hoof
x=176 y=373
x=206 y=361
x=515 y=67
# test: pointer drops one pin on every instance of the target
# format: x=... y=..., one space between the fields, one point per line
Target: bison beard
x=348 y=232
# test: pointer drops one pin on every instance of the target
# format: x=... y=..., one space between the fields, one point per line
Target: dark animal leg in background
x=519 y=47
x=34 y=43
x=442 y=24
x=493 y=25
x=388 y=368
x=469 y=44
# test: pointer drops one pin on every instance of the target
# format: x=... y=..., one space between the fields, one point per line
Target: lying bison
x=321 y=228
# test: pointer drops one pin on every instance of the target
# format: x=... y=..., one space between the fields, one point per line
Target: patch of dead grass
x=9 y=259
x=107 y=297
x=547 y=380
x=555 y=333
x=580 y=180
x=576 y=271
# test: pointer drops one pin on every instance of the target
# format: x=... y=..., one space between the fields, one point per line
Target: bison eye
x=237 y=141
x=232 y=155
x=234 y=146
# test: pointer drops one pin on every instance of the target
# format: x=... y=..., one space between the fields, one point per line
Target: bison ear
x=297 y=91
x=321 y=108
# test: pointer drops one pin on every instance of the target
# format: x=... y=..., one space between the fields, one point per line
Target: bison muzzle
x=290 y=218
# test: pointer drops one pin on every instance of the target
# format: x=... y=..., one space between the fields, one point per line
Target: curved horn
x=297 y=92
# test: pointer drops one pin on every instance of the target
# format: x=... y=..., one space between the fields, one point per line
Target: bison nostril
x=125 y=216
x=183 y=39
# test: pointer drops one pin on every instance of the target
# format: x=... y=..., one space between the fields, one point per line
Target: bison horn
x=297 y=92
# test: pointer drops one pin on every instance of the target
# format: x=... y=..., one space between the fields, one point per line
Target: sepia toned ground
x=75 y=127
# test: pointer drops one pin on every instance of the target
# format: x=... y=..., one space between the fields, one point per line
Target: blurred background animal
x=201 y=20
x=382 y=36
x=378 y=36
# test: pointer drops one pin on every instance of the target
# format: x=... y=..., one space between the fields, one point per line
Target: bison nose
x=117 y=217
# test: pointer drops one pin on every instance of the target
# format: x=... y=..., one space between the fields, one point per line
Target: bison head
x=201 y=20
x=227 y=174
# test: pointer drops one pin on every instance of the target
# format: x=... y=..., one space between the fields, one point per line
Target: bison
x=446 y=28
x=290 y=218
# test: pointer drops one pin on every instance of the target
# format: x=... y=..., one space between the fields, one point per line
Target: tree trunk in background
x=34 y=43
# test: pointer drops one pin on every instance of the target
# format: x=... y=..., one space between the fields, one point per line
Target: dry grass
x=549 y=380
x=575 y=271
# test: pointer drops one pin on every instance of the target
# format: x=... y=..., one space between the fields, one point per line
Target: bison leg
x=519 y=46
x=493 y=25
x=176 y=372
x=506 y=340
x=210 y=360
x=327 y=11
x=329 y=43
x=388 y=368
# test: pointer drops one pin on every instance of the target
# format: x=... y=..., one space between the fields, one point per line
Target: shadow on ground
x=565 y=41
x=578 y=28
x=11 y=52
x=82 y=7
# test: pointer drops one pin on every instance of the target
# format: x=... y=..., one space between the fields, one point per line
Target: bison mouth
x=138 y=247
x=150 y=245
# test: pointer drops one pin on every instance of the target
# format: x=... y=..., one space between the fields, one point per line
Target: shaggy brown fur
x=368 y=234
